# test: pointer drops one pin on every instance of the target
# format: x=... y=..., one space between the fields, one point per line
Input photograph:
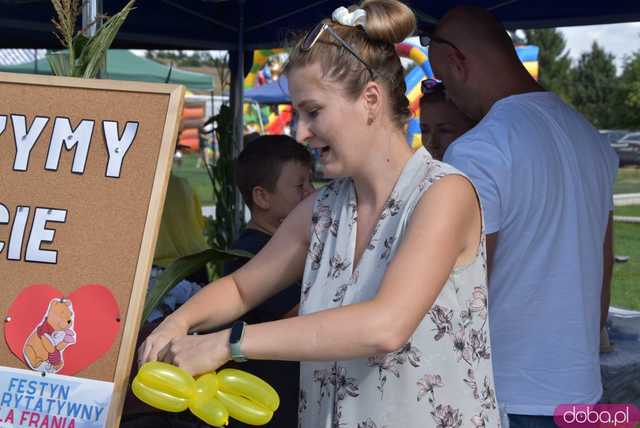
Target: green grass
x=628 y=180
x=628 y=210
x=625 y=288
x=195 y=172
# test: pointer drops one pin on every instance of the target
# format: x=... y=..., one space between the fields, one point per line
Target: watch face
x=236 y=332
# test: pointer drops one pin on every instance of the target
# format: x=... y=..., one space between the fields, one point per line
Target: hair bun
x=389 y=21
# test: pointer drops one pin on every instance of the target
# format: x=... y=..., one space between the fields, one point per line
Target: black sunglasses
x=431 y=86
x=427 y=39
x=314 y=35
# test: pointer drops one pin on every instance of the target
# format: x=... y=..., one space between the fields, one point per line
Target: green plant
x=221 y=231
x=84 y=56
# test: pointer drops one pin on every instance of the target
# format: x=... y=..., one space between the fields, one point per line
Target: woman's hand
x=155 y=345
x=199 y=354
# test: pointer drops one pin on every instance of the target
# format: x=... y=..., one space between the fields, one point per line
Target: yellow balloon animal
x=213 y=397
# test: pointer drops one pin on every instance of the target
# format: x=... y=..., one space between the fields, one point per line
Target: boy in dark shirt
x=273 y=173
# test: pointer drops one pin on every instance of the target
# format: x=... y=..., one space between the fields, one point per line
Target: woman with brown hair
x=392 y=330
x=441 y=122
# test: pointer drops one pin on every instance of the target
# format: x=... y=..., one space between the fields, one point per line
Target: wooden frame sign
x=84 y=167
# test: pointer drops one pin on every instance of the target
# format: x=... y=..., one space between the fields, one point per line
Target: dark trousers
x=528 y=421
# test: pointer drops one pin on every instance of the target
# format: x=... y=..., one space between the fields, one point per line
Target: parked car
x=628 y=149
x=613 y=135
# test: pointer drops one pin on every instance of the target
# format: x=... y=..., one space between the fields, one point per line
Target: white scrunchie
x=342 y=16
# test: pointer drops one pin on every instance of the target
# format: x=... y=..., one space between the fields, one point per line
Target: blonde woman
x=393 y=328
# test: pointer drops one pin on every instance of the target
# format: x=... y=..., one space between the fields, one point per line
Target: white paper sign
x=30 y=400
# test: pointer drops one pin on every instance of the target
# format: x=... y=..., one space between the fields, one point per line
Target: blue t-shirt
x=284 y=376
x=545 y=178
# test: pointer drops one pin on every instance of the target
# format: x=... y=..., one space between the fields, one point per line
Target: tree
x=594 y=87
x=628 y=99
x=554 y=62
x=214 y=64
x=184 y=59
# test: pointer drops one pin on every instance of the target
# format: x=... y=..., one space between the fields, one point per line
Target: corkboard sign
x=84 y=166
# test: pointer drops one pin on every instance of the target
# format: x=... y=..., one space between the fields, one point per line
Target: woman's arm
x=444 y=232
x=277 y=265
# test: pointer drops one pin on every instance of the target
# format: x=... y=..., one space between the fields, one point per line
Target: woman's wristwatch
x=235 y=340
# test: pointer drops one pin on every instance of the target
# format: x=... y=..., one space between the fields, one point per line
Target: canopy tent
x=124 y=65
x=19 y=56
x=275 y=92
x=214 y=24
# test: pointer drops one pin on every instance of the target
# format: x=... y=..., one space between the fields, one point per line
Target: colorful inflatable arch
x=529 y=57
x=260 y=58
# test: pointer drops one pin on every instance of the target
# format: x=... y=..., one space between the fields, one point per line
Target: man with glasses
x=545 y=180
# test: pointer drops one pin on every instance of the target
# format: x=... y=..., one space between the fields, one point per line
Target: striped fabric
x=19 y=56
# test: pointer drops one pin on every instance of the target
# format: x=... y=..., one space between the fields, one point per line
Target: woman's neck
x=381 y=170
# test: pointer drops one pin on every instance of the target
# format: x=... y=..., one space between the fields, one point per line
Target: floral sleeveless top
x=442 y=377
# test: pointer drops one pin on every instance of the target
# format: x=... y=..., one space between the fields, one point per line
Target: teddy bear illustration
x=45 y=345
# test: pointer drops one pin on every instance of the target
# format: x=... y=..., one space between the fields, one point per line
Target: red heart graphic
x=96 y=325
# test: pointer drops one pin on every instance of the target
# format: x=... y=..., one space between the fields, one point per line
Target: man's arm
x=607 y=263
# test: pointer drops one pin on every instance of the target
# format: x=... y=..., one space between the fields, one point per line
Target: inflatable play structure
x=193 y=116
x=277 y=123
x=260 y=58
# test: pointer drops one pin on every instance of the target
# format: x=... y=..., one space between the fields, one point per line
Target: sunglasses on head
x=431 y=86
x=314 y=35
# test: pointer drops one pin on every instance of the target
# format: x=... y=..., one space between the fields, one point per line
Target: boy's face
x=293 y=185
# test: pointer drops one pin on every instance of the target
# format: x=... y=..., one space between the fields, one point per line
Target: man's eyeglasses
x=314 y=35
x=431 y=86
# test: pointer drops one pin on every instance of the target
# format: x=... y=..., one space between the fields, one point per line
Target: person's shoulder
x=180 y=184
x=251 y=240
x=330 y=192
x=527 y=99
x=435 y=169
x=479 y=156
x=483 y=140
x=516 y=109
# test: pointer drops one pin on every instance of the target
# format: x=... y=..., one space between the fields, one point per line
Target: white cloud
x=618 y=39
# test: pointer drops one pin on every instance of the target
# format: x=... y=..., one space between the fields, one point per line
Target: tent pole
x=91 y=10
x=256 y=105
x=237 y=94
x=92 y=20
